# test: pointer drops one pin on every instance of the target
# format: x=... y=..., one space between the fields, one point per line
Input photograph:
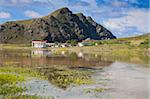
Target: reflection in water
x=80 y=54
x=63 y=77
x=65 y=68
x=44 y=57
x=40 y=53
x=63 y=52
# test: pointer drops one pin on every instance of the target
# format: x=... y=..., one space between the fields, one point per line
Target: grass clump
x=64 y=77
x=26 y=97
x=145 y=44
x=11 y=89
x=10 y=79
x=8 y=84
x=96 y=90
x=26 y=72
x=72 y=42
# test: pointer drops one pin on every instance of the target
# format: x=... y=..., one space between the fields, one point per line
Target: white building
x=39 y=43
x=80 y=44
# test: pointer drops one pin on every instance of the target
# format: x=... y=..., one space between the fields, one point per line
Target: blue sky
x=123 y=18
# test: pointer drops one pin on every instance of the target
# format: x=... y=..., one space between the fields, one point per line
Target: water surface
x=124 y=78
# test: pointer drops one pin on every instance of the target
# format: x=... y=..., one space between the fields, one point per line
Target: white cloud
x=5 y=15
x=25 y=1
x=16 y=2
x=119 y=4
x=118 y=16
x=32 y=14
x=135 y=18
x=41 y=0
x=84 y=6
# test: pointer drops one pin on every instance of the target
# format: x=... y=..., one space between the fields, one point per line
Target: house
x=50 y=44
x=56 y=45
x=65 y=45
x=80 y=44
x=39 y=43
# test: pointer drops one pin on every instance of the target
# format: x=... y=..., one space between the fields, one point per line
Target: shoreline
x=121 y=52
x=112 y=48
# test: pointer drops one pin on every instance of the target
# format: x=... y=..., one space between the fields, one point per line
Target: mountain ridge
x=59 y=26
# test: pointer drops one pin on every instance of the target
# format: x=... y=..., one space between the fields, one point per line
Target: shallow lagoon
x=106 y=76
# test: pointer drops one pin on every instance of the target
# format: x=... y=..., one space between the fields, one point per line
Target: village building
x=56 y=45
x=80 y=44
x=50 y=45
x=65 y=45
x=39 y=43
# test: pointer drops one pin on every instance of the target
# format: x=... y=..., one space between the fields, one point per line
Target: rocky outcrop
x=59 y=26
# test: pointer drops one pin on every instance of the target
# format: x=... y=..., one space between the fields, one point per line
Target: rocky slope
x=60 y=26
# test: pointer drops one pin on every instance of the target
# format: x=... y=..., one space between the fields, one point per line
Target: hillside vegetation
x=60 y=26
x=142 y=40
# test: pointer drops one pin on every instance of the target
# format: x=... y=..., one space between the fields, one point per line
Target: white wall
x=39 y=44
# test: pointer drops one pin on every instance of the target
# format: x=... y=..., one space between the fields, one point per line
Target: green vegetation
x=81 y=37
x=9 y=82
x=11 y=89
x=119 y=52
x=26 y=72
x=26 y=97
x=145 y=44
x=15 y=46
x=63 y=76
x=131 y=41
x=11 y=77
x=72 y=42
x=24 y=22
x=56 y=26
x=96 y=90
x=131 y=49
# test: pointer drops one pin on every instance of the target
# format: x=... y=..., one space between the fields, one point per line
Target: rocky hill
x=59 y=26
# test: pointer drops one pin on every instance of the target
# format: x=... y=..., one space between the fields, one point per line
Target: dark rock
x=60 y=26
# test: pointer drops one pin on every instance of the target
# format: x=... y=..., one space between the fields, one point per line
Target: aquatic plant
x=11 y=89
x=26 y=72
x=64 y=77
x=8 y=84
x=26 y=97
x=12 y=77
x=95 y=90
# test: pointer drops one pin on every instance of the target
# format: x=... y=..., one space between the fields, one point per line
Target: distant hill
x=141 y=41
x=59 y=26
x=136 y=39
